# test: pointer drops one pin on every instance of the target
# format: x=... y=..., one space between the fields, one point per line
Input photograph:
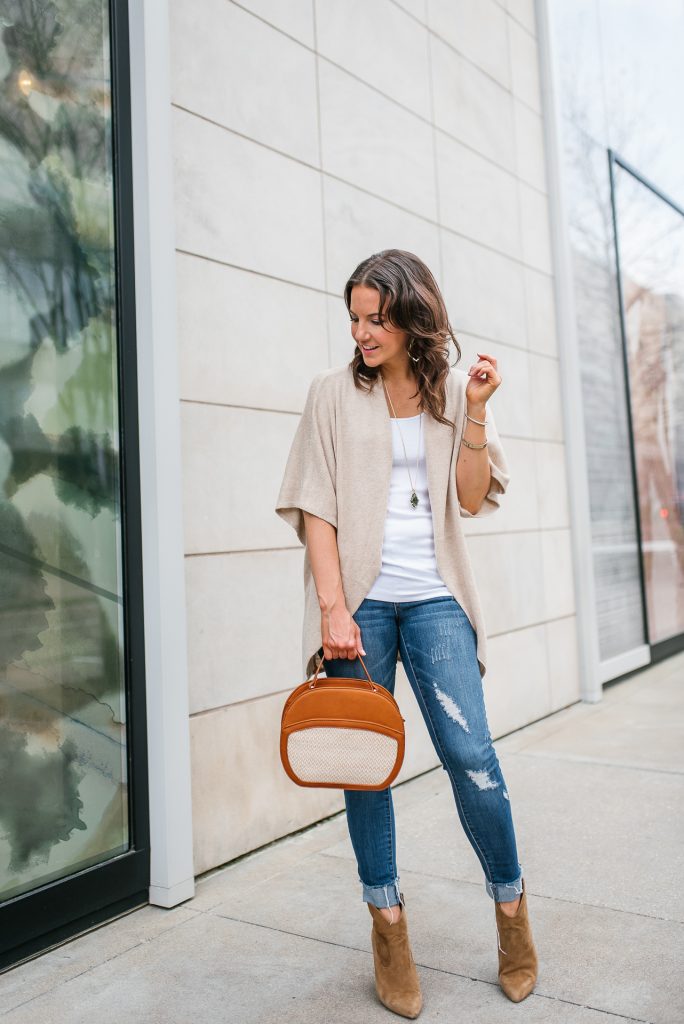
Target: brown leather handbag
x=342 y=733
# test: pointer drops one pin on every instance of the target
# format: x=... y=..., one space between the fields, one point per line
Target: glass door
x=650 y=248
x=73 y=832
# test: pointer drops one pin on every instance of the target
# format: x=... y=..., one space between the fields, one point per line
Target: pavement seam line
x=537 y=895
x=569 y=759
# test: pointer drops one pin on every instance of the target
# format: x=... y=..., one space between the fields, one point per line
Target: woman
x=392 y=451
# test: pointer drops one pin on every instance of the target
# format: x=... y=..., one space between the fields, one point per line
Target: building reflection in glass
x=651 y=252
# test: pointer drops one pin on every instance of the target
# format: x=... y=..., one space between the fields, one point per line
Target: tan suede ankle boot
x=396 y=977
x=517 y=955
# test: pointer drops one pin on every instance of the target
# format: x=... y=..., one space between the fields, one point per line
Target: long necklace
x=414 y=497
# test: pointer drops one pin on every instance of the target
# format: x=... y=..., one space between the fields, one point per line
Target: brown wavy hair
x=411 y=301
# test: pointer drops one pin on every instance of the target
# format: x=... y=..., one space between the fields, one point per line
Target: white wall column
x=591 y=689
x=172 y=875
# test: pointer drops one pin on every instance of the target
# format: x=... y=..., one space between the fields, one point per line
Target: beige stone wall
x=306 y=136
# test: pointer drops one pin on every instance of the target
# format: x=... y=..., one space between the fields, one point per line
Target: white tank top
x=409 y=569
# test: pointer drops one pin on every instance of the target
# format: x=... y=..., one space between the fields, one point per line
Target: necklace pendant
x=414 y=499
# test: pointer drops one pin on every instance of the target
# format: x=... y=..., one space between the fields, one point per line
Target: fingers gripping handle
x=320 y=666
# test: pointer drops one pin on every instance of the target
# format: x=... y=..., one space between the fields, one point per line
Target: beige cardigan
x=339 y=468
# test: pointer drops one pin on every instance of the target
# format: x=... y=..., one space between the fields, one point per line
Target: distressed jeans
x=438 y=650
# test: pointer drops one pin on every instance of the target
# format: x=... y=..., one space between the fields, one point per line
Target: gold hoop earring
x=416 y=359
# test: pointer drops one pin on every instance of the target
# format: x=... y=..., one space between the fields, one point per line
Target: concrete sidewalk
x=597 y=793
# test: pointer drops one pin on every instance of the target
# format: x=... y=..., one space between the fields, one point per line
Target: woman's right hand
x=340 y=634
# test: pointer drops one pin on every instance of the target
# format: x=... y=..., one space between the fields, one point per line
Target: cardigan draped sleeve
x=309 y=479
x=499 y=469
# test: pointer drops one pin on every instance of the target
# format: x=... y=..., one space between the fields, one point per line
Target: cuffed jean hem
x=383 y=895
x=504 y=892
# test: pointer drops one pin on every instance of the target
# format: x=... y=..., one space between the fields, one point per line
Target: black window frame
x=59 y=910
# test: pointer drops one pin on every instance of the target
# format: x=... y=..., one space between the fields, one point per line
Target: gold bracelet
x=482 y=423
x=469 y=444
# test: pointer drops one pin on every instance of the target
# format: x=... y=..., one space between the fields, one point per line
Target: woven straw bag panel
x=341 y=755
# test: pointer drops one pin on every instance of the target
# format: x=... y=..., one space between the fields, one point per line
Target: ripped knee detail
x=451 y=708
x=483 y=779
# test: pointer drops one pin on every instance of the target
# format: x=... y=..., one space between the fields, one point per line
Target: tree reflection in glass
x=63 y=799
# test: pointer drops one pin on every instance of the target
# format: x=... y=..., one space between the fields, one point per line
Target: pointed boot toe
x=517 y=954
x=396 y=978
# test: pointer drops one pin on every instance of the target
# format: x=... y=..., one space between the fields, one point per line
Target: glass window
x=622 y=95
x=651 y=255
x=63 y=752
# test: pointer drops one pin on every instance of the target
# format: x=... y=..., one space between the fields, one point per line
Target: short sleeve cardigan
x=339 y=469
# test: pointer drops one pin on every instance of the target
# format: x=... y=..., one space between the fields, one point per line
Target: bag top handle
x=320 y=666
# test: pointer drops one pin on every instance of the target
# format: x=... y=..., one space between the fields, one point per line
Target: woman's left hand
x=479 y=390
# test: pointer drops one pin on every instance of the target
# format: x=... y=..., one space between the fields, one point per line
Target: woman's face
x=377 y=340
